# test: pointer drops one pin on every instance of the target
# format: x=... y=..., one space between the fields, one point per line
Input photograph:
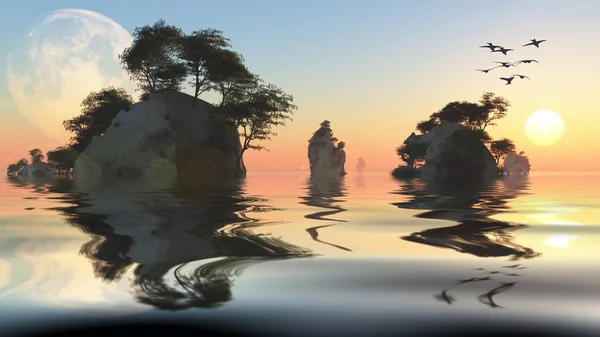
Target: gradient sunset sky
x=372 y=68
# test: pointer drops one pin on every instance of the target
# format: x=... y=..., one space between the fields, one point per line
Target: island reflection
x=471 y=207
x=184 y=247
x=325 y=193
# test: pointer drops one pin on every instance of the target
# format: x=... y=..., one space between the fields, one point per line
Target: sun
x=544 y=127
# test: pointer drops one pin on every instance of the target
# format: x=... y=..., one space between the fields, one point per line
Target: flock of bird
x=500 y=49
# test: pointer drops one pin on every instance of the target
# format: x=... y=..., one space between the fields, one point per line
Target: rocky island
x=454 y=146
x=326 y=155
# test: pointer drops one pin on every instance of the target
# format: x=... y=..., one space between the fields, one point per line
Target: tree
x=413 y=155
x=452 y=113
x=226 y=70
x=426 y=126
x=14 y=168
x=256 y=112
x=36 y=156
x=99 y=109
x=62 y=159
x=502 y=147
x=494 y=108
x=152 y=59
x=197 y=51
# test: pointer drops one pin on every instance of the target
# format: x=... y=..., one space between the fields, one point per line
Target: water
x=279 y=246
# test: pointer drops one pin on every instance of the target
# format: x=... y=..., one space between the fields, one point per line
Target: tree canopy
x=98 y=110
x=36 y=156
x=14 y=168
x=62 y=158
x=502 y=147
x=152 y=59
x=255 y=112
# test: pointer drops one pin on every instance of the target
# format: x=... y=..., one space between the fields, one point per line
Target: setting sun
x=544 y=127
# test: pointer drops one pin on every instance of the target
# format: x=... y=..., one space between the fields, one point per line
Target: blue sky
x=387 y=62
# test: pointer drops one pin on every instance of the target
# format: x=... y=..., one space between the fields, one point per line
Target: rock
x=38 y=171
x=169 y=138
x=361 y=164
x=326 y=158
x=454 y=154
x=516 y=164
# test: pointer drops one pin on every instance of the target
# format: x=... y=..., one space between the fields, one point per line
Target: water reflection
x=160 y=235
x=325 y=193
x=471 y=207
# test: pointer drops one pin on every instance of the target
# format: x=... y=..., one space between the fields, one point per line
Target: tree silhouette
x=36 y=156
x=256 y=112
x=413 y=155
x=502 y=147
x=152 y=59
x=229 y=75
x=475 y=116
x=16 y=167
x=62 y=159
x=99 y=109
x=198 y=51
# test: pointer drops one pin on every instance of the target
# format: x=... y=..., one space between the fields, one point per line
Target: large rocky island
x=169 y=138
x=326 y=155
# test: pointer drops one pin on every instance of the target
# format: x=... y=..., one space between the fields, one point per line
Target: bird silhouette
x=490 y=45
x=521 y=76
x=490 y=294
x=507 y=79
x=534 y=42
x=505 y=64
x=524 y=61
x=501 y=50
x=486 y=70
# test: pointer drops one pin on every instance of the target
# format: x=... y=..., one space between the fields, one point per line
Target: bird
x=501 y=50
x=490 y=45
x=505 y=64
x=514 y=266
x=521 y=76
x=507 y=79
x=486 y=70
x=525 y=61
x=534 y=42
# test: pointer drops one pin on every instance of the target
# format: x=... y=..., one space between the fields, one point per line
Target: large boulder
x=38 y=171
x=516 y=164
x=454 y=153
x=327 y=158
x=169 y=138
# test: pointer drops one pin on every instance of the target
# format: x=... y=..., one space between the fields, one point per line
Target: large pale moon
x=69 y=54
x=544 y=127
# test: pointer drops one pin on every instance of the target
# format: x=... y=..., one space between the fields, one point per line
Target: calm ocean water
x=366 y=246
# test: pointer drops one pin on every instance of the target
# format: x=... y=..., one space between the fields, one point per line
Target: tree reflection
x=470 y=206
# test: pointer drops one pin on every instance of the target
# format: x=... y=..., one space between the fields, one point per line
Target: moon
x=544 y=127
x=67 y=55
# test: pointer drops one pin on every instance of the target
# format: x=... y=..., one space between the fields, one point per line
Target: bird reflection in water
x=325 y=193
x=475 y=232
x=160 y=234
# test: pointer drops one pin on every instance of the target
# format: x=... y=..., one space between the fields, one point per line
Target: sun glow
x=544 y=127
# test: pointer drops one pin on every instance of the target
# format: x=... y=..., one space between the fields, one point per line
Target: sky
x=374 y=69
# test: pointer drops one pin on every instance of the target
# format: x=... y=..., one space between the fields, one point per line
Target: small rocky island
x=326 y=155
x=454 y=146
